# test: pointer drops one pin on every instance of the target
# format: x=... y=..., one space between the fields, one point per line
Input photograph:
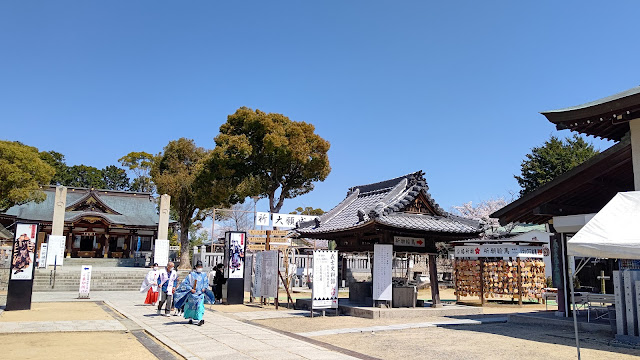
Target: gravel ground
x=491 y=341
x=64 y=346
x=60 y=311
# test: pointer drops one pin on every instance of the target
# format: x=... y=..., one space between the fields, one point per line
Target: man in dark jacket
x=218 y=281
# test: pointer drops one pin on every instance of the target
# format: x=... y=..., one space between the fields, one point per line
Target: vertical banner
x=161 y=252
x=256 y=290
x=382 y=268
x=325 y=279
x=235 y=251
x=85 y=282
x=55 y=250
x=24 y=249
x=42 y=259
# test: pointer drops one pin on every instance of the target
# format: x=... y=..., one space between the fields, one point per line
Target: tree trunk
x=185 y=251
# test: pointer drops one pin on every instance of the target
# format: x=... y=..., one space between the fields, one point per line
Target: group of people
x=188 y=298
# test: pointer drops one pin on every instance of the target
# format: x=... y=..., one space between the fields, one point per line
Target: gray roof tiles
x=384 y=203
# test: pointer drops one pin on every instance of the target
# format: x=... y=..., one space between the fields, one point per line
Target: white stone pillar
x=59 y=206
x=634 y=126
x=163 y=223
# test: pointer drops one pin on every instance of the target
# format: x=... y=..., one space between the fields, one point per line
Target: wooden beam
x=433 y=279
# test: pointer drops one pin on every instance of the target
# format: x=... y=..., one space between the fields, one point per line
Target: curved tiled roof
x=384 y=203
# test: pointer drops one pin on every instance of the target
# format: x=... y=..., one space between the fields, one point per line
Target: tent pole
x=573 y=302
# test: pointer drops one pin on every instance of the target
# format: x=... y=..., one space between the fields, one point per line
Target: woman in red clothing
x=150 y=285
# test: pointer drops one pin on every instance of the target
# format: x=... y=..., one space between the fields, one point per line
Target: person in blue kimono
x=193 y=293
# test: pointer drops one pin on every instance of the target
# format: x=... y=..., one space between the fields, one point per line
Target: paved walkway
x=492 y=320
x=270 y=314
x=60 y=326
x=221 y=337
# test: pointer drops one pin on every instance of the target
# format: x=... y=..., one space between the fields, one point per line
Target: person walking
x=193 y=293
x=167 y=281
x=150 y=285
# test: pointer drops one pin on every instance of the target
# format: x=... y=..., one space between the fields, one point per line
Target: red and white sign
x=408 y=241
x=85 y=282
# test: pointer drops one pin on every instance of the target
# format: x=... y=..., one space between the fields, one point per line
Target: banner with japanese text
x=382 y=271
x=325 y=279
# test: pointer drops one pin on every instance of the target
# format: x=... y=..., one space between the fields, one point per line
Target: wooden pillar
x=69 y=242
x=519 y=282
x=433 y=278
x=482 y=298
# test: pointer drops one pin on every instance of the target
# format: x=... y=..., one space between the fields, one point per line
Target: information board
x=325 y=279
x=382 y=271
x=55 y=250
x=85 y=282
x=161 y=252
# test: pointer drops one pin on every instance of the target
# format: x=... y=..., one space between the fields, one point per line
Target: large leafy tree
x=140 y=163
x=269 y=155
x=115 y=178
x=552 y=159
x=307 y=210
x=56 y=160
x=22 y=172
x=175 y=172
x=85 y=176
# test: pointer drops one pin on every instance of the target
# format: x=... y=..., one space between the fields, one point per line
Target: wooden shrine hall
x=97 y=223
x=400 y=212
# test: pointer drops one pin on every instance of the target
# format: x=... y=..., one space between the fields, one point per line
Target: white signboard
x=325 y=279
x=382 y=271
x=161 y=252
x=504 y=251
x=55 y=250
x=262 y=219
x=408 y=241
x=42 y=256
x=235 y=250
x=85 y=282
x=289 y=220
x=24 y=248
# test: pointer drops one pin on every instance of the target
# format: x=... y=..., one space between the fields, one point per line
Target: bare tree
x=481 y=211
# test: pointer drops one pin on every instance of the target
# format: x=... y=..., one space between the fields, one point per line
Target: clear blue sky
x=452 y=88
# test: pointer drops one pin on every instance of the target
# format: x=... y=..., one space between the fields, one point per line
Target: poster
x=325 y=279
x=235 y=254
x=161 y=252
x=24 y=248
x=55 y=250
x=382 y=271
x=85 y=282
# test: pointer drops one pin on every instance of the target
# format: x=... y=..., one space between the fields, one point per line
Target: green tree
x=175 y=173
x=86 y=176
x=268 y=155
x=308 y=210
x=56 y=160
x=22 y=172
x=140 y=163
x=197 y=235
x=115 y=178
x=551 y=160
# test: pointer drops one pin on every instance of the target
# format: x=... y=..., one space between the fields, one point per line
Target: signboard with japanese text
x=325 y=279
x=257 y=232
x=289 y=220
x=42 y=260
x=161 y=252
x=24 y=249
x=504 y=251
x=409 y=241
x=55 y=250
x=262 y=218
x=85 y=282
x=269 y=286
x=256 y=289
x=382 y=271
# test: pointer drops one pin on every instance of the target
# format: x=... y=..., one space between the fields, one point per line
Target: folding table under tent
x=614 y=233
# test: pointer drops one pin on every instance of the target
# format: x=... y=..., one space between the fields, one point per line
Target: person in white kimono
x=150 y=285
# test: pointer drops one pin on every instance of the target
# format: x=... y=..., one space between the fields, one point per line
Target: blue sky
x=452 y=88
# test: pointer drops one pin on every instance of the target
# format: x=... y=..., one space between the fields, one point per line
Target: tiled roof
x=133 y=210
x=384 y=203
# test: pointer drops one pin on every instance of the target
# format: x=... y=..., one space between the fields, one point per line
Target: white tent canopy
x=613 y=233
